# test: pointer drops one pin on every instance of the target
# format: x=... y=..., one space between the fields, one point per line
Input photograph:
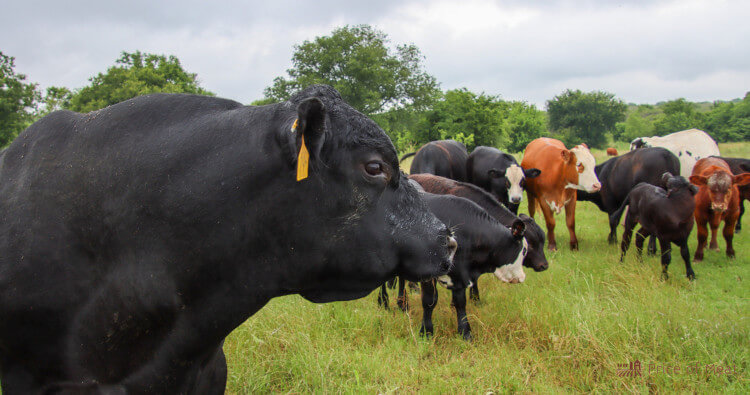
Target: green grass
x=563 y=330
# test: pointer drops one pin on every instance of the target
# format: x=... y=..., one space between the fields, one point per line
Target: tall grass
x=564 y=330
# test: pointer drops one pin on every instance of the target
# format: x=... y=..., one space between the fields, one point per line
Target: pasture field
x=574 y=328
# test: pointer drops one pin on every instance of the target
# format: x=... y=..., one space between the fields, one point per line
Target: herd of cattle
x=135 y=238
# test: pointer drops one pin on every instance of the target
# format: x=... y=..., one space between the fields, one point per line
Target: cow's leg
x=702 y=231
x=549 y=219
x=666 y=257
x=474 y=290
x=570 y=220
x=459 y=301
x=212 y=377
x=651 y=249
x=714 y=223
x=729 y=225
x=532 y=204
x=685 y=253
x=640 y=238
x=429 y=300
x=383 y=297
x=403 y=300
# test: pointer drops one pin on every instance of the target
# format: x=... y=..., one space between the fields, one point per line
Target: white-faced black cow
x=499 y=173
x=446 y=158
x=136 y=237
x=534 y=235
x=666 y=214
x=621 y=174
x=484 y=246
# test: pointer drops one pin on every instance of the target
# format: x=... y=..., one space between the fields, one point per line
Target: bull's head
x=720 y=185
x=579 y=169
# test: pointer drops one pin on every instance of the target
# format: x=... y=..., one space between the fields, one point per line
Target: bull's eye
x=507 y=183
x=374 y=168
x=580 y=167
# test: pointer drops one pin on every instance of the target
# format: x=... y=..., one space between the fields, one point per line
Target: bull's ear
x=698 y=180
x=532 y=173
x=311 y=123
x=741 y=179
x=495 y=173
x=518 y=228
x=566 y=155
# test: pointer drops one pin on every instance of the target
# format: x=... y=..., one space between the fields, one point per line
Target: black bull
x=135 y=238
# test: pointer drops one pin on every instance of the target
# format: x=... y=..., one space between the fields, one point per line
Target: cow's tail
x=406 y=156
x=625 y=203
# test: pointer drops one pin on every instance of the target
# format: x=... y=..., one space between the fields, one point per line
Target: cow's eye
x=580 y=167
x=507 y=183
x=374 y=168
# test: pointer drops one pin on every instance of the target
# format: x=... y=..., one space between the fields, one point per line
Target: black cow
x=739 y=166
x=500 y=174
x=446 y=158
x=534 y=235
x=484 y=246
x=137 y=237
x=665 y=214
x=621 y=174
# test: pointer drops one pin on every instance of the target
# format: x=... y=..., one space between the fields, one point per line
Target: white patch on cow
x=554 y=207
x=587 y=181
x=514 y=174
x=514 y=273
x=688 y=145
x=445 y=280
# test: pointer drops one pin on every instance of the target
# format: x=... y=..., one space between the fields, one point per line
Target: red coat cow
x=718 y=199
x=562 y=172
x=612 y=151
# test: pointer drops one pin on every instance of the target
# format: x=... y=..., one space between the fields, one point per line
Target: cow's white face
x=585 y=163
x=514 y=273
x=515 y=177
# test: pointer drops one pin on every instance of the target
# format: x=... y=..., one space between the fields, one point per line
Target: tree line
x=389 y=84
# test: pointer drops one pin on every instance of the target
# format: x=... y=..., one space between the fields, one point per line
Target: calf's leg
x=474 y=290
x=459 y=301
x=549 y=219
x=383 y=297
x=640 y=237
x=630 y=222
x=714 y=222
x=729 y=233
x=702 y=231
x=429 y=300
x=685 y=253
x=666 y=257
x=402 y=300
x=651 y=249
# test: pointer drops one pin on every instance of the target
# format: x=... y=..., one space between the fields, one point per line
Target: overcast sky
x=642 y=51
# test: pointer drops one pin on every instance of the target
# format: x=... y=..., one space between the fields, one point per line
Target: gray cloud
x=643 y=51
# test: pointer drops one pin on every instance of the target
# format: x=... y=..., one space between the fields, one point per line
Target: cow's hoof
x=730 y=254
x=467 y=336
x=664 y=276
x=691 y=276
x=425 y=333
x=698 y=258
x=574 y=246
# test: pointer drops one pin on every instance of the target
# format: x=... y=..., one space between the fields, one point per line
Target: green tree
x=18 y=100
x=679 y=115
x=463 y=115
x=135 y=74
x=578 y=117
x=523 y=123
x=639 y=123
x=358 y=63
x=55 y=98
x=729 y=121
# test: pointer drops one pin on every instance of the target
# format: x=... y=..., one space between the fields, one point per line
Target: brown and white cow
x=718 y=199
x=562 y=172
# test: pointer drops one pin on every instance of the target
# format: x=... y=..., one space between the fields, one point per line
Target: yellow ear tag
x=303 y=160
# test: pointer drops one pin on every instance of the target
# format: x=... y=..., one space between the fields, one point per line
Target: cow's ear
x=531 y=173
x=698 y=180
x=741 y=179
x=311 y=123
x=495 y=173
x=665 y=178
x=566 y=155
x=518 y=228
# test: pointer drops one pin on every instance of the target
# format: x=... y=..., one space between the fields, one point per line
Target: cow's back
x=544 y=154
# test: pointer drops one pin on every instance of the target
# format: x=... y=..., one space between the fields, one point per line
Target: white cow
x=688 y=145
